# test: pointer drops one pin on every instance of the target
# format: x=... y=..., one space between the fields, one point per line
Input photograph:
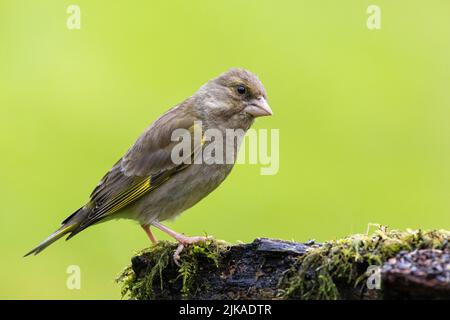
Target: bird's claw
x=184 y=241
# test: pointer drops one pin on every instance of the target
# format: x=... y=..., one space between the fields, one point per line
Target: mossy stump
x=394 y=264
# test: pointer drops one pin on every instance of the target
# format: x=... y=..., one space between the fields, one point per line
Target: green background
x=363 y=118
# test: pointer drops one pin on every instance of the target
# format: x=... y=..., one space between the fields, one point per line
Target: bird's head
x=235 y=95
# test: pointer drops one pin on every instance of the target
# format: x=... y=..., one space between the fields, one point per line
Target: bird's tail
x=63 y=230
x=68 y=226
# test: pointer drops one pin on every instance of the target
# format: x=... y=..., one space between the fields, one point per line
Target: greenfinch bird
x=147 y=185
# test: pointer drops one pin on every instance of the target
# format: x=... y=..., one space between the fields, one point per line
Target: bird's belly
x=180 y=192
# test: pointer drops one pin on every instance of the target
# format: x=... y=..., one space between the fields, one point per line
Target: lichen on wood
x=277 y=269
x=325 y=272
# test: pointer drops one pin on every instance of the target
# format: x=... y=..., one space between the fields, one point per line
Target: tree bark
x=261 y=269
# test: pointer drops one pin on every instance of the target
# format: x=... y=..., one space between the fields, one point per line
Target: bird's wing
x=145 y=166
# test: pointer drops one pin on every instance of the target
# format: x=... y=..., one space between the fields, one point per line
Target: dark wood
x=254 y=271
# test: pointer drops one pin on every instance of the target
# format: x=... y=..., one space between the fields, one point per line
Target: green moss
x=318 y=273
x=159 y=257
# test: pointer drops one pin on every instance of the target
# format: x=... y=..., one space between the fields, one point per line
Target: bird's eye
x=241 y=89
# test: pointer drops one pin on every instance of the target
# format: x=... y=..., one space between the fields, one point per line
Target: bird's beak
x=259 y=108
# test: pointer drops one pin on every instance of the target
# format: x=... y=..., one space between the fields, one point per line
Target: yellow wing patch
x=122 y=199
x=137 y=190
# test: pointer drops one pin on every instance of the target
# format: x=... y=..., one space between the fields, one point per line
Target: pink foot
x=184 y=241
x=149 y=233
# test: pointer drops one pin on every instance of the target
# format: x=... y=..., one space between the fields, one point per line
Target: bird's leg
x=149 y=233
x=182 y=239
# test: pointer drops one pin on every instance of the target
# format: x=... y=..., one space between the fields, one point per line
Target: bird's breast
x=180 y=192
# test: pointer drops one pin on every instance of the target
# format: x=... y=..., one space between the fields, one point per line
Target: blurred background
x=363 y=118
